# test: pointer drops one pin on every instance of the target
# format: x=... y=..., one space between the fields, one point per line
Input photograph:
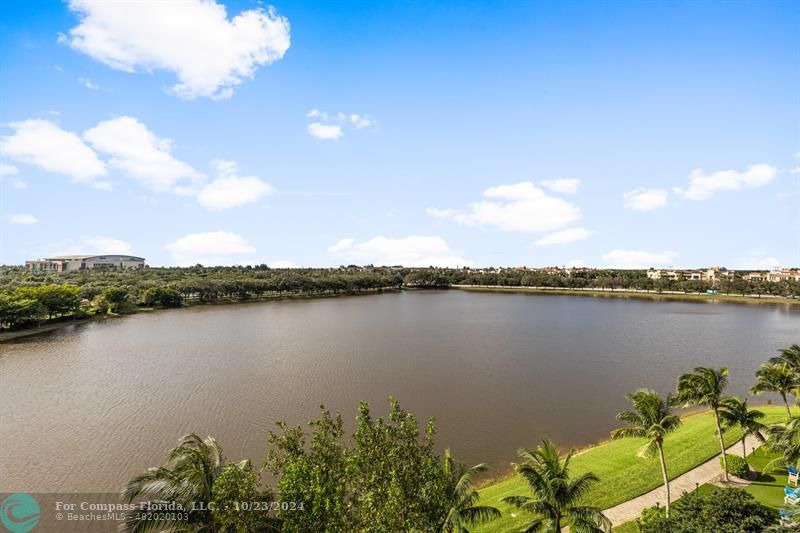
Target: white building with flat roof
x=68 y=263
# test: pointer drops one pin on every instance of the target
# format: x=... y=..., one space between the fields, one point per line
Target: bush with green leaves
x=718 y=509
x=737 y=466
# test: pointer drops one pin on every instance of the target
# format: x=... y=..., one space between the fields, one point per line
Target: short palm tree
x=556 y=495
x=777 y=377
x=192 y=467
x=651 y=419
x=785 y=438
x=734 y=412
x=462 y=510
x=705 y=386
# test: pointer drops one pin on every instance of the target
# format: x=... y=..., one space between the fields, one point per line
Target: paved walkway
x=705 y=473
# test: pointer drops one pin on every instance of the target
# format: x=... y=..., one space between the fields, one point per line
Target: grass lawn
x=623 y=475
x=768 y=487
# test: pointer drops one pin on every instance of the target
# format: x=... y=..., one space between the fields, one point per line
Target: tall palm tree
x=651 y=419
x=777 y=377
x=785 y=438
x=462 y=497
x=187 y=479
x=705 y=386
x=790 y=356
x=556 y=494
x=734 y=412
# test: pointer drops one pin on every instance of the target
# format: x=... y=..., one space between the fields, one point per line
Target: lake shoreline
x=625 y=293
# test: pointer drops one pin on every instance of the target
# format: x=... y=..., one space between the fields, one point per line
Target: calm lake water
x=85 y=408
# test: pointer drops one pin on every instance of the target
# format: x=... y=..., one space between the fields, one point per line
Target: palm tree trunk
x=721 y=446
x=788 y=411
x=744 y=450
x=664 y=473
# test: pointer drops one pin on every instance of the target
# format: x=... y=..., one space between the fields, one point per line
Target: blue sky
x=318 y=133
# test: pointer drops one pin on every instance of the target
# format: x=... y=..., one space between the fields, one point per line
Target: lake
x=87 y=407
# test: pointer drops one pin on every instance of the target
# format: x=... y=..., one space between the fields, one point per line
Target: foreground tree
x=734 y=412
x=649 y=419
x=556 y=495
x=777 y=377
x=790 y=356
x=786 y=440
x=704 y=387
x=462 y=498
x=187 y=480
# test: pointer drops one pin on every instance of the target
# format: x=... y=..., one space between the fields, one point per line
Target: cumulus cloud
x=520 y=207
x=564 y=237
x=411 y=251
x=638 y=259
x=755 y=261
x=229 y=190
x=92 y=245
x=209 y=53
x=23 y=219
x=576 y=263
x=138 y=152
x=327 y=132
x=8 y=170
x=89 y=84
x=642 y=199
x=210 y=248
x=44 y=144
x=8 y=175
x=703 y=186
x=564 y=185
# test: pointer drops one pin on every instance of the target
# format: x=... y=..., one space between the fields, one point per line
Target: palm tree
x=649 y=419
x=777 y=377
x=462 y=497
x=785 y=439
x=734 y=412
x=704 y=386
x=790 y=356
x=556 y=494
x=192 y=467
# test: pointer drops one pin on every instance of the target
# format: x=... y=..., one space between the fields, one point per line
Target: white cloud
x=703 y=186
x=638 y=259
x=564 y=237
x=282 y=264
x=341 y=245
x=93 y=245
x=325 y=131
x=23 y=219
x=89 y=84
x=576 y=263
x=8 y=170
x=316 y=113
x=45 y=145
x=642 y=199
x=140 y=153
x=230 y=190
x=209 y=53
x=564 y=185
x=519 y=207
x=211 y=248
x=359 y=121
x=758 y=263
x=411 y=251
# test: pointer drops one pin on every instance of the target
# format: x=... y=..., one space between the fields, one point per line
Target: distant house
x=68 y=263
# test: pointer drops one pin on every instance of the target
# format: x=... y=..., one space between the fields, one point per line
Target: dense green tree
x=704 y=387
x=556 y=496
x=239 y=505
x=733 y=412
x=785 y=438
x=650 y=419
x=462 y=497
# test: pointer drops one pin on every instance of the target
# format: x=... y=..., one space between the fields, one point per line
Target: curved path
x=705 y=473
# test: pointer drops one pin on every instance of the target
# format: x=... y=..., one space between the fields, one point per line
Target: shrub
x=737 y=466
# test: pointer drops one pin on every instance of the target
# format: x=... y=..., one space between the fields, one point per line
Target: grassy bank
x=623 y=475
x=622 y=293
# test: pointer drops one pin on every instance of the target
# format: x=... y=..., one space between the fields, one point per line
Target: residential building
x=67 y=263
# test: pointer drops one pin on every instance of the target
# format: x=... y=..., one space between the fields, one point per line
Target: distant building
x=69 y=263
x=711 y=274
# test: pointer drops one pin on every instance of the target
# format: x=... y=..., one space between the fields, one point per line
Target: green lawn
x=768 y=486
x=622 y=474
